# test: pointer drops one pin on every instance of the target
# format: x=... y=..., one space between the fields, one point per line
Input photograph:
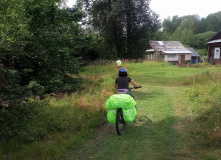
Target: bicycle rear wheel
x=120 y=123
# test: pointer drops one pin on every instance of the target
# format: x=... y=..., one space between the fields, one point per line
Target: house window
x=217 y=53
x=171 y=56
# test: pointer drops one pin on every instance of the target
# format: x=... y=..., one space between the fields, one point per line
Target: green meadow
x=178 y=117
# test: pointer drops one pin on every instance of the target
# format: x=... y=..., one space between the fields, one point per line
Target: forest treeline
x=191 y=31
x=43 y=43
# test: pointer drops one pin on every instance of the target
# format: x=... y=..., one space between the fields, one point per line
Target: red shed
x=214 y=47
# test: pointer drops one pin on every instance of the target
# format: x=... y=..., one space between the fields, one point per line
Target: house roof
x=171 y=47
x=194 y=53
x=167 y=46
x=173 y=52
x=215 y=39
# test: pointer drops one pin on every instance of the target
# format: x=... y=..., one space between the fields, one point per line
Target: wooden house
x=214 y=47
x=168 y=51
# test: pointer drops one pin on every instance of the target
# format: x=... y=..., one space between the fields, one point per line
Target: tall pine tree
x=125 y=26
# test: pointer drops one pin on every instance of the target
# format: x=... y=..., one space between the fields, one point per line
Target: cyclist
x=122 y=82
x=118 y=63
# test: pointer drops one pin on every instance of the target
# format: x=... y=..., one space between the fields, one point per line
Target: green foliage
x=124 y=26
x=54 y=55
x=202 y=52
x=13 y=91
x=170 y=25
x=22 y=122
x=34 y=89
x=200 y=39
x=212 y=23
x=41 y=43
x=190 y=22
x=185 y=36
x=163 y=36
x=10 y=87
x=193 y=22
x=54 y=125
x=191 y=31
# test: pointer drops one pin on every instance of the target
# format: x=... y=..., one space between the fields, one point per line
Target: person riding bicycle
x=118 y=63
x=122 y=82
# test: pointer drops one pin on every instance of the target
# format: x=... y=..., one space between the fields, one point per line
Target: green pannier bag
x=111 y=116
x=129 y=114
x=124 y=101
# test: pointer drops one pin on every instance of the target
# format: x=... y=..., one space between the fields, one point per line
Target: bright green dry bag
x=124 y=101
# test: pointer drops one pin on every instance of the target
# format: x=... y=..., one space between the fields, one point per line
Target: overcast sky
x=71 y=2
x=166 y=8
x=170 y=8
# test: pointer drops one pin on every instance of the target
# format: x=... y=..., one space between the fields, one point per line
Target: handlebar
x=134 y=87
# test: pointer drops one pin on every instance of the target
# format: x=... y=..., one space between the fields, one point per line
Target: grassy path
x=156 y=135
x=163 y=109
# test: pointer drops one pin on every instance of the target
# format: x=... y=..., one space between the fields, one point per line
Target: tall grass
x=206 y=99
x=46 y=129
x=45 y=125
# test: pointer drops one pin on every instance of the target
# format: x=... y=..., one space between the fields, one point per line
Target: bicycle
x=120 y=123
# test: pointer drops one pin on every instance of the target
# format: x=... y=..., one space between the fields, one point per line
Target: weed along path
x=160 y=131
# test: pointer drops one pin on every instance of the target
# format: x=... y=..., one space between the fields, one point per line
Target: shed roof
x=167 y=46
x=215 y=39
x=194 y=53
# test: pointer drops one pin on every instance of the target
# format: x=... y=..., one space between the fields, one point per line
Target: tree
x=184 y=35
x=125 y=26
x=40 y=47
x=162 y=36
x=213 y=23
x=170 y=25
x=200 y=39
x=190 y=22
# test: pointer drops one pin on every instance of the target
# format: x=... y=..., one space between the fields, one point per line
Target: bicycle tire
x=120 y=123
